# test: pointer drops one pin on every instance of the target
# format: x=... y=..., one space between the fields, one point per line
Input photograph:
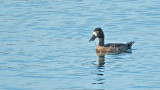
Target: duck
x=110 y=47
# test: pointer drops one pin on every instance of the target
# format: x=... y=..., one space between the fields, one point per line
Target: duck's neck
x=101 y=41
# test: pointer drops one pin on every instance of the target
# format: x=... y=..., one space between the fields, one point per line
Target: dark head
x=97 y=33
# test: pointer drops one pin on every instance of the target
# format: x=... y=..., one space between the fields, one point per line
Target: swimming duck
x=110 y=47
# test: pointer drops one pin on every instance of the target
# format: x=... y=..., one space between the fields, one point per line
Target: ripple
x=44 y=44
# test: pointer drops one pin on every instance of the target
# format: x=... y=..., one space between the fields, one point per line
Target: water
x=44 y=44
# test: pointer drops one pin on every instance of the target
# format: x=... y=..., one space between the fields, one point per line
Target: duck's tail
x=130 y=44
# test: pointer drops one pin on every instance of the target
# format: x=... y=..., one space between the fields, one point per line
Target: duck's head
x=97 y=33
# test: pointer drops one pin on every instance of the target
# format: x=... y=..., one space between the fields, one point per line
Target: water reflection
x=100 y=79
x=101 y=59
x=100 y=70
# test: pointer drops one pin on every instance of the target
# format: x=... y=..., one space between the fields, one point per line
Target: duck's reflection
x=100 y=71
x=101 y=59
x=100 y=79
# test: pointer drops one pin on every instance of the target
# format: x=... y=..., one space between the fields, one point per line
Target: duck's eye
x=94 y=33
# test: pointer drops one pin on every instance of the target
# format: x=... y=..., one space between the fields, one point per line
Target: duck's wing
x=127 y=45
x=115 y=45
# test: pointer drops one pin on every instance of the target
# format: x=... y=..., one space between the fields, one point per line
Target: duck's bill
x=93 y=38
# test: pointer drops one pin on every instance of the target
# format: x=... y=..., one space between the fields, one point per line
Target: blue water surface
x=44 y=44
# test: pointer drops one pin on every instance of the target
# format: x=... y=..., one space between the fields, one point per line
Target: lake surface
x=44 y=44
